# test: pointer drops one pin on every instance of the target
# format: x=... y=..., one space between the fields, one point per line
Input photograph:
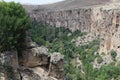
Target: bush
x=113 y=54
x=99 y=59
x=40 y=41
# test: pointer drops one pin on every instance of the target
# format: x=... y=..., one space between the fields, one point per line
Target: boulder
x=10 y=58
x=9 y=65
x=56 y=66
x=2 y=76
x=29 y=75
x=35 y=57
x=36 y=73
x=56 y=57
x=29 y=43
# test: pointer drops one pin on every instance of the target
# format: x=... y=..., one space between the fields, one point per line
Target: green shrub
x=99 y=59
x=113 y=54
x=103 y=54
x=40 y=41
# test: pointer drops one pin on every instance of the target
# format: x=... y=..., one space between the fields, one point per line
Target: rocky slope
x=36 y=64
x=72 y=4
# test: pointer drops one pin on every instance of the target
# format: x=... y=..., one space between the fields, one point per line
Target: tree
x=14 y=23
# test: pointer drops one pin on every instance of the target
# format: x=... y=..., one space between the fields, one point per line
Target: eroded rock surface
x=35 y=57
x=56 y=66
x=35 y=64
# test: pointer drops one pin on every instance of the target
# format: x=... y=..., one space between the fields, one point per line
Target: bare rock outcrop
x=2 y=76
x=41 y=62
x=39 y=56
x=10 y=58
x=9 y=65
x=29 y=43
x=36 y=64
x=83 y=40
x=56 y=66
x=35 y=57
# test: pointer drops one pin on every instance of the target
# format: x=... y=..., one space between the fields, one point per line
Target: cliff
x=100 y=18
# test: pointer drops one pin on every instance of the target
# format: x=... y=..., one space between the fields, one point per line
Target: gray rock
x=11 y=58
x=56 y=66
x=56 y=57
x=35 y=57
x=30 y=43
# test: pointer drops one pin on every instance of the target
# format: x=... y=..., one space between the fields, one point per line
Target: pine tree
x=14 y=22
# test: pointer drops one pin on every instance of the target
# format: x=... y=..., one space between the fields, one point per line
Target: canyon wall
x=102 y=21
x=73 y=19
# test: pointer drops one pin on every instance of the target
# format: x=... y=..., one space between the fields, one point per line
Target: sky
x=34 y=1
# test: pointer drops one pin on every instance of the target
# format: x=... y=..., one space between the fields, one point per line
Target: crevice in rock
x=21 y=78
x=47 y=66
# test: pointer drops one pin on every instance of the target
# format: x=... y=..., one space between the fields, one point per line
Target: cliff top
x=71 y=4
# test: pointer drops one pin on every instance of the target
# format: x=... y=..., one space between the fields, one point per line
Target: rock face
x=35 y=57
x=36 y=64
x=9 y=65
x=56 y=66
x=100 y=20
x=2 y=77
x=37 y=61
x=10 y=58
x=83 y=40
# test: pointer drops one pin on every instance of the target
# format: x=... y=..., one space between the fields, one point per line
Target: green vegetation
x=99 y=59
x=14 y=23
x=113 y=54
x=59 y=39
